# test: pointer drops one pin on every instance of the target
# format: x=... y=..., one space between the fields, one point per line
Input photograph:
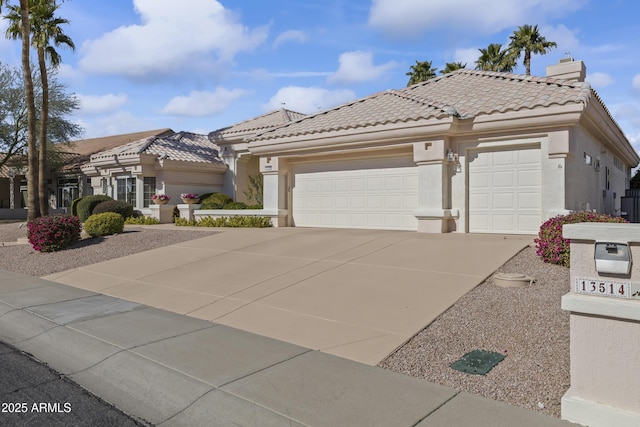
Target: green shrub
x=88 y=203
x=74 y=206
x=181 y=222
x=116 y=206
x=235 y=205
x=53 y=233
x=551 y=247
x=255 y=207
x=234 y=221
x=214 y=200
x=104 y=224
x=141 y=220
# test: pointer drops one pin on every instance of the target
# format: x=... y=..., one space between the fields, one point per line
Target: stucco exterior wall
x=586 y=184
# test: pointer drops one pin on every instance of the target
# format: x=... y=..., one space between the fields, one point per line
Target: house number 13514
x=602 y=288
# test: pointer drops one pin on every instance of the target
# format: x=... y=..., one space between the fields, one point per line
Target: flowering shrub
x=142 y=220
x=550 y=245
x=189 y=196
x=160 y=197
x=53 y=233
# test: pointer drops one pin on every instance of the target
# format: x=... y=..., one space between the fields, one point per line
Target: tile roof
x=462 y=93
x=95 y=145
x=255 y=125
x=183 y=146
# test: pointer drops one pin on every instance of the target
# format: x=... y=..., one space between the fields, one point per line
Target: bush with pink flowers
x=54 y=233
x=551 y=247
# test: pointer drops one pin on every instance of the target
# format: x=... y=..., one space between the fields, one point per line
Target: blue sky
x=199 y=65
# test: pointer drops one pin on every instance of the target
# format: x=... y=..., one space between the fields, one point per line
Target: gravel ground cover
x=525 y=324
x=23 y=259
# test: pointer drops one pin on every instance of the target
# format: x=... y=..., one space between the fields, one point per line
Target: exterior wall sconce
x=451 y=156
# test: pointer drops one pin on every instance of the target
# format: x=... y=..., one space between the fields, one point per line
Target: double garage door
x=505 y=191
x=372 y=193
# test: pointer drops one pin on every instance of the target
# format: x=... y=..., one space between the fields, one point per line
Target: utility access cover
x=478 y=362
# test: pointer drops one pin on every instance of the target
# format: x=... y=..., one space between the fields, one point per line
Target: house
x=179 y=162
x=66 y=181
x=171 y=164
x=470 y=151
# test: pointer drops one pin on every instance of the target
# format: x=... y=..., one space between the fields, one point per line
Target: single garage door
x=505 y=191
x=373 y=193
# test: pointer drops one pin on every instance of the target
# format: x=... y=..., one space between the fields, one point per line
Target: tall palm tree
x=494 y=58
x=33 y=208
x=450 y=67
x=45 y=28
x=421 y=72
x=527 y=38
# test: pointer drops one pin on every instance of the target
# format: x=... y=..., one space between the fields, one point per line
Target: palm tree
x=494 y=58
x=33 y=208
x=45 y=28
x=528 y=38
x=450 y=67
x=421 y=72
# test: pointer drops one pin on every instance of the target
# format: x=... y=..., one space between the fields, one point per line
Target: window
x=149 y=189
x=105 y=189
x=126 y=190
x=67 y=191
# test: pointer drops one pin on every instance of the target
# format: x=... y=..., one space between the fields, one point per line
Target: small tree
x=422 y=71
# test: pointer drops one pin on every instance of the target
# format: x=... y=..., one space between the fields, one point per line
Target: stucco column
x=604 y=306
x=275 y=190
x=230 y=176
x=434 y=212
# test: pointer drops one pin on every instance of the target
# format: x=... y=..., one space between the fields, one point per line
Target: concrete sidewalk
x=358 y=294
x=171 y=369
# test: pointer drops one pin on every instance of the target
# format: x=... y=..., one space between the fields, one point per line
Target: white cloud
x=357 y=67
x=116 y=124
x=99 y=104
x=201 y=104
x=467 y=56
x=290 y=36
x=600 y=80
x=635 y=83
x=411 y=18
x=566 y=39
x=308 y=99
x=170 y=38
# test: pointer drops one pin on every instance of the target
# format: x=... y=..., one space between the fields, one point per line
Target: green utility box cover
x=478 y=362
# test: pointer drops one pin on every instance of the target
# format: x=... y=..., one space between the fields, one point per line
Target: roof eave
x=371 y=136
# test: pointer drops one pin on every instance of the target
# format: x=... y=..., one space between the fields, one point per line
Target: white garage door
x=505 y=191
x=375 y=193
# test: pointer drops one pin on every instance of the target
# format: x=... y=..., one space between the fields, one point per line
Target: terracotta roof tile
x=463 y=93
x=255 y=125
x=183 y=146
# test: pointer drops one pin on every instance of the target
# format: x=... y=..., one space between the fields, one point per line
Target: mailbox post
x=604 y=305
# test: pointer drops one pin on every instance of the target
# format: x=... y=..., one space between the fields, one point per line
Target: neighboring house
x=470 y=151
x=170 y=164
x=235 y=153
x=66 y=181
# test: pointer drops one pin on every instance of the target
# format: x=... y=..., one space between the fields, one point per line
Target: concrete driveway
x=357 y=294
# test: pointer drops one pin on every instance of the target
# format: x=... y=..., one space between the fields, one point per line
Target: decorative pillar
x=434 y=211
x=604 y=306
x=164 y=213
x=275 y=196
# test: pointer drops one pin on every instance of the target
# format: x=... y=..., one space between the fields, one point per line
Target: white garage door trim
x=372 y=193
x=505 y=188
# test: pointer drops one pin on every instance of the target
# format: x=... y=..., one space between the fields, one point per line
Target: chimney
x=568 y=69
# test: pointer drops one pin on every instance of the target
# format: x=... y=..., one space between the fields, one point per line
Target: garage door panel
x=380 y=193
x=505 y=191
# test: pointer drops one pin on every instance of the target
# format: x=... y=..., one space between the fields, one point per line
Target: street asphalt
x=32 y=394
